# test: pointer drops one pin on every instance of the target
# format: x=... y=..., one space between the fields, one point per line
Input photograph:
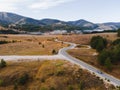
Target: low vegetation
x=48 y=75
x=2 y=63
x=118 y=33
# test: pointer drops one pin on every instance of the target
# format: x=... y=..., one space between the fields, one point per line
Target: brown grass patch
x=84 y=39
x=61 y=75
x=29 y=45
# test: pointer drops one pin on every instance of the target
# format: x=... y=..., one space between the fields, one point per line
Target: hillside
x=47 y=75
x=11 y=18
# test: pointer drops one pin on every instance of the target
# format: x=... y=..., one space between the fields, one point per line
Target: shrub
x=4 y=42
x=15 y=86
x=116 y=53
x=59 y=72
x=70 y=87
x=13 y=41
x=43 y=88
x=1 y=82
x=42 y=80
x=103 y=56
x=81 y=85
x=39 y=43
x=108 y=63
x=43 y=46
x=54 y=51
x=2 y=63
x=116 y=42
x=52 y=88
x=23 y=79
x=118 y=33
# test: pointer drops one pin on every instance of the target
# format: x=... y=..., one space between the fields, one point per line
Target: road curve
x=106 y=77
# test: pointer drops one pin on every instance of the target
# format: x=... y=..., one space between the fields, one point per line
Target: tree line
x=109 y=53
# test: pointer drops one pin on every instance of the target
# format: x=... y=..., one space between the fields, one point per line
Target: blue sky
x=92 y=10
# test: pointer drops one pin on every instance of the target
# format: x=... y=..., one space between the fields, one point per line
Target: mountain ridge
x=11 y=18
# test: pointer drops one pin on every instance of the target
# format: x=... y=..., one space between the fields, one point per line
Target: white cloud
x=8 y=5
x=45 y=4
x=16 y=5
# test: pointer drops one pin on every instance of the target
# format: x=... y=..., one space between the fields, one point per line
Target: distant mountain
x=52 y=24
x=52 y=21
x=29 y=21
x=2 y=28
x=11 y=18
x=83 y=23
x=107 y=26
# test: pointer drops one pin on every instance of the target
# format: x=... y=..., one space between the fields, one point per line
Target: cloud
x=45 y=4
x=16 y=5
x=9 y=5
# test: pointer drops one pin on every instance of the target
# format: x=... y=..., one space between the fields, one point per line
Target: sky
x=97 y=11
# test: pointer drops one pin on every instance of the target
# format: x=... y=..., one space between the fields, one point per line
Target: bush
x=81 y=85
x=108 y=63
x=4 y=42
x=116 y=53
x=1 y=82
x=43 y=88
x=103 y=56
x=43 y=46
x=15 y=86
x=52 y=88
x=116 y=42
x=70 y=87
x=23 y=80
x=2 y=63
x=54 y=51
x=118 y=33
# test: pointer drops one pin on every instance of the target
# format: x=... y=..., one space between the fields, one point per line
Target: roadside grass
x=29 y=45
x=44 y=75
x=89 y=56
x=81 y=46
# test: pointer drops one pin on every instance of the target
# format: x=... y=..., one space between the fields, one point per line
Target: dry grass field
x=29 y=45
x=85 y=38
x=48 y=75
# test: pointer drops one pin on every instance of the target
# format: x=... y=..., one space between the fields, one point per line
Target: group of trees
x=99 y=43
x=4 y=42
x=111 y=55
x=45 y=28
x=108 y=56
